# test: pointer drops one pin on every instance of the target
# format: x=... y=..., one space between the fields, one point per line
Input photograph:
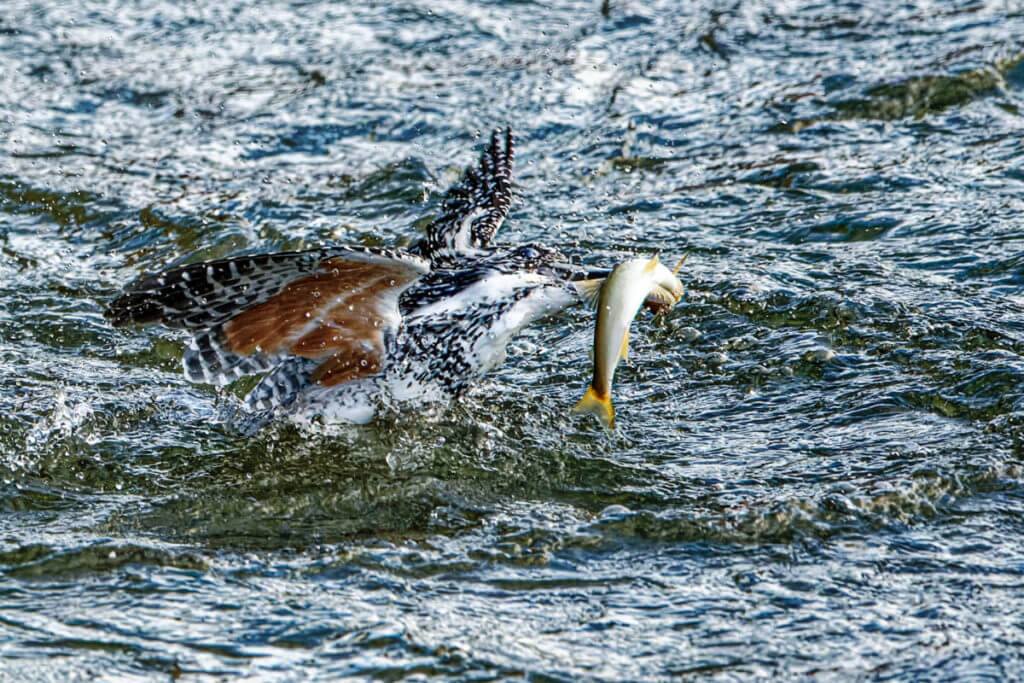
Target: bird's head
x=532 y=258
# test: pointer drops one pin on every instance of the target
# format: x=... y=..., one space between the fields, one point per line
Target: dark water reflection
x=818 y=466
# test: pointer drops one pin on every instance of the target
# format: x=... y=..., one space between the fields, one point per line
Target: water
x=818 y=466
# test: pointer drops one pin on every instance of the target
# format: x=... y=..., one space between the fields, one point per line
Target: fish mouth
x=675 y=289
x=661 y=299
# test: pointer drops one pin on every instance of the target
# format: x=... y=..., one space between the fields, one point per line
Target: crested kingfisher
x=336 y=330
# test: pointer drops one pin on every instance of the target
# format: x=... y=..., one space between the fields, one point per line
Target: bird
x=337 y=331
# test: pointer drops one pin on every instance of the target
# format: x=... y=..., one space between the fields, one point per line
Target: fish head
x=666 y=288
x=666 y=280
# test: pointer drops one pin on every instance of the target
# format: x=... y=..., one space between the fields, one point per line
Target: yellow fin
x=589 y=290
x=624 y=349
x=601 y=408
x=680 y=264
x=651 y=265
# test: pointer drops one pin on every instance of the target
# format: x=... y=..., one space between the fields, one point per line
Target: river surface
x=817 y=470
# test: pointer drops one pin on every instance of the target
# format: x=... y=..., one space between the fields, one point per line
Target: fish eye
x=531 y=252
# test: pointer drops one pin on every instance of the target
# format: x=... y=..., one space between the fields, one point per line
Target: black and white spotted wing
x=203 y=295
x=474 y=209
x=206 y=361
x=282 y=385
x=220 y=302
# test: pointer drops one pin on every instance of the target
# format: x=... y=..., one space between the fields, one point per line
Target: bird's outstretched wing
x=253 y=313
x=474 y=208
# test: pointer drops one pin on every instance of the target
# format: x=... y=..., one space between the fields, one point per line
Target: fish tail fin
x=598 y=406
x=651 y=265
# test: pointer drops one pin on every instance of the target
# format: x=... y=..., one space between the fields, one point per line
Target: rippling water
x=818 y=467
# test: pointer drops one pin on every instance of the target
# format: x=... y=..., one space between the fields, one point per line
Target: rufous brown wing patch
x=347 y=365
x=338 y=314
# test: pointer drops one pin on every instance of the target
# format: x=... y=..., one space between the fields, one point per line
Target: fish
x=632 y=284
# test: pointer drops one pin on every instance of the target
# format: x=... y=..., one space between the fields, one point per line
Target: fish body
x=630 y=285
